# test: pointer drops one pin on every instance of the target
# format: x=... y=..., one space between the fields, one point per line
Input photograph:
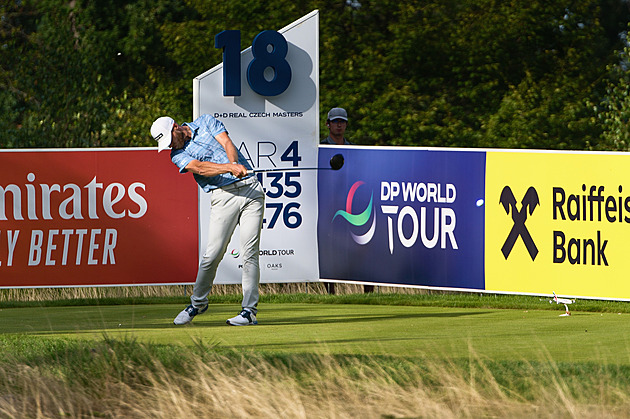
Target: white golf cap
x=161 y=132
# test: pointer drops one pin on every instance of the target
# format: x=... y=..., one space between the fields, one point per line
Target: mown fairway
x=433 y=332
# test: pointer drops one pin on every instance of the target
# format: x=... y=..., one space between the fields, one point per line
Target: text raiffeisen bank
x=591 y=204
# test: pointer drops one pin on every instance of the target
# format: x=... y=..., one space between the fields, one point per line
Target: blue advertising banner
x=402 y=216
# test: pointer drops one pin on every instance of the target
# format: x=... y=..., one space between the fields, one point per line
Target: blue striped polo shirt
x=203 y=146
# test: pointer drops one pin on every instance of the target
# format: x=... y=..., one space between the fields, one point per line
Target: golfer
x=204 y=148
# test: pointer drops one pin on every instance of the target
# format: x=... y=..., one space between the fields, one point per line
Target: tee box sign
x=267 y=96
x=94 y=217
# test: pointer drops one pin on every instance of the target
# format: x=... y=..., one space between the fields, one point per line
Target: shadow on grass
x=361 y=318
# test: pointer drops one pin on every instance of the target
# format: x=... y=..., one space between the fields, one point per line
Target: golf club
x=336 y=163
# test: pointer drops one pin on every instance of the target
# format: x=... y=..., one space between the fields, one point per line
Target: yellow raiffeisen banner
x=558 y=222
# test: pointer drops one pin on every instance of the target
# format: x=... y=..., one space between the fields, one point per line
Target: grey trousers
x=240 y=203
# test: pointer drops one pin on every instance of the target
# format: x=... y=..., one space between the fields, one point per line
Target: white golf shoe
x=187 y=314
x=244 y=318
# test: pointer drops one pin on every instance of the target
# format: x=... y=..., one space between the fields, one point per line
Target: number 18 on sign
x=268 y=74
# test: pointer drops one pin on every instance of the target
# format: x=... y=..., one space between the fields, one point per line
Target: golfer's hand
x=238 y=170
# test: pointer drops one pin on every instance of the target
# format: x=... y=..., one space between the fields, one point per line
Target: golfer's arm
x=228 y=145
x=210 y=169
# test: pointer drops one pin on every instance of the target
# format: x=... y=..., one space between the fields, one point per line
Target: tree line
x=547 y=74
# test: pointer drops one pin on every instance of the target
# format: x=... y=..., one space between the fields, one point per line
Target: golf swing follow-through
x=204 y=148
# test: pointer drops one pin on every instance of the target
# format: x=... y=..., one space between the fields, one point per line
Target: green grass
x=121 y=376
x=314 y=355
x=357 y=329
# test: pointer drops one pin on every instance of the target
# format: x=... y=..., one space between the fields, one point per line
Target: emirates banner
x=95 y=217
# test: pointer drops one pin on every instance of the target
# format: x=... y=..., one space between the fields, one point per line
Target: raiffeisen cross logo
x=361 y=219
x=528 y=204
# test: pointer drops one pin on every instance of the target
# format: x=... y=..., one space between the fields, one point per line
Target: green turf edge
x=461 y=300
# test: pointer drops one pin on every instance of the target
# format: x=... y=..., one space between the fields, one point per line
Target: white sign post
x=269 y=103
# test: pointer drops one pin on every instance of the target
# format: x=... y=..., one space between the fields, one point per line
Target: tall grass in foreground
x=123 y=378
x=151 y=291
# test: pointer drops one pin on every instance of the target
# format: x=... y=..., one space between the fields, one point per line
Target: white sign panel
x=269 y=103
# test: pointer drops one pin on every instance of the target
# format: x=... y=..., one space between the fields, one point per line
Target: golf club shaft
x=249 y=172
x=336 y=163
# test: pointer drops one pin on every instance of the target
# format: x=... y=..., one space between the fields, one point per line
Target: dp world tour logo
x=361 y=219
x=528 y=205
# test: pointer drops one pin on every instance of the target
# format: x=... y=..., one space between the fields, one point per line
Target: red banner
x=95 y=217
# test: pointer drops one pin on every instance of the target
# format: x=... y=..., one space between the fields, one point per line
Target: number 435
x=269 y=49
